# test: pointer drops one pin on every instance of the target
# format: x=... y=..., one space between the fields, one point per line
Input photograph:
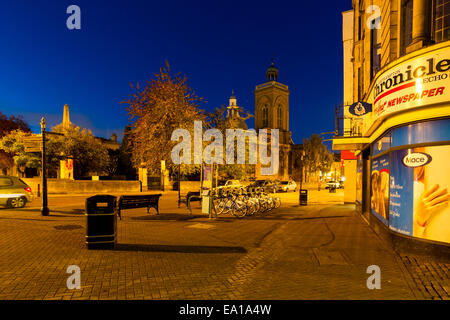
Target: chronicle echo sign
x=414 y=83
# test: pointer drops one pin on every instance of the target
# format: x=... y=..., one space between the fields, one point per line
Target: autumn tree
x=11 y=123
x=164 y=104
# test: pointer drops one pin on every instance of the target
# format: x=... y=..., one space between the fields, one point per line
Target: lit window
x=376 y=51
x=442 y=20
x=408 y=22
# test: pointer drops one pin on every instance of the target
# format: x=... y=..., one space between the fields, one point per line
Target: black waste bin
x=101 y=222
x=303 y=197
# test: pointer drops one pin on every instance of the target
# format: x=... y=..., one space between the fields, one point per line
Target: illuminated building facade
x=393 y=127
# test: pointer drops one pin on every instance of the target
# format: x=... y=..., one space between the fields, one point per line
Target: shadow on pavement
x=292 y=217
x=166 y=216
x=178 y=248
x=52 y=210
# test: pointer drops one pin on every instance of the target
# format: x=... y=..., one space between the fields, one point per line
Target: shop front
x=403 y=156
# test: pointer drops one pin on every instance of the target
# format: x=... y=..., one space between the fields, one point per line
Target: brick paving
x=431 y=277
x=317 y=252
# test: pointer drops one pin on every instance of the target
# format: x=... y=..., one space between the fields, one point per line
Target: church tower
x=272 y=112
x=234 y=119
x=272 y=105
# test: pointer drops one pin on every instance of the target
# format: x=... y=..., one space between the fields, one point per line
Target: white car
x=14 y=193
x=286 y=186
x=333 y=184
x=231 y=185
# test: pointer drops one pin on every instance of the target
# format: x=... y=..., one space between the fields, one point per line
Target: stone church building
x=271 y=112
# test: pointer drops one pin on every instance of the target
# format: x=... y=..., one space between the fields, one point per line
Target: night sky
x=220 y=46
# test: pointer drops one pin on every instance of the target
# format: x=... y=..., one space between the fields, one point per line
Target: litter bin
x=303 y=197
x=101 y=222
x=332 y=189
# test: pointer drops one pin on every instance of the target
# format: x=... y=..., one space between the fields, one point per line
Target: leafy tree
x=89 y=154
x=12 y=144
x=317 y=158
x=164 y=104
x=7 y=125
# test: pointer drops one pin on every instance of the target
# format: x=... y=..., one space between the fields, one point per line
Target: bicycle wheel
x=264 y=205
x=239 y=209
x=219 y=206
x=251 y=207
x=277 y=202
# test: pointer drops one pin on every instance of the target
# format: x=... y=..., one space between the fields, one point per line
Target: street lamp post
x=44 y=210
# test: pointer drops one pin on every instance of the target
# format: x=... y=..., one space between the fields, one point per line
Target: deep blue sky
x=219 y=45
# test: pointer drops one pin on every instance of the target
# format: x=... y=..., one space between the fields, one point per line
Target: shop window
x=441 y=20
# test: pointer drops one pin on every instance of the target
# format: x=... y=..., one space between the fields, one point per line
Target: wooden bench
x=139 y=201
x=188 y=198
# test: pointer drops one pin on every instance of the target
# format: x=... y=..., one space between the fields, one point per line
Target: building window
x=279 y=116
x=376 y=51
x=360 y=26
x=360 y=84
x=441 y=20
x=265 y=116
x=407 y=22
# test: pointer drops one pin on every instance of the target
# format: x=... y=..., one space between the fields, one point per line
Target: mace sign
x=414 y=83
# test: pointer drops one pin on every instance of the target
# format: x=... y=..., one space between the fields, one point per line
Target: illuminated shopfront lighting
x=419 y=85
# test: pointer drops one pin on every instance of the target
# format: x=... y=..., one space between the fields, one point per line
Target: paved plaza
x=321 y=251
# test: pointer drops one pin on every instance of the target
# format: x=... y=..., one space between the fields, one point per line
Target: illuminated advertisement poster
x=379 y=188
x=419 y=192
x=359 y=171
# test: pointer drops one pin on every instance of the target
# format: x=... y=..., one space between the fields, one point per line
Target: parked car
x=267 y=185
x=231 y=185
x=333 y=184
x=286 y=186
x=14 y=193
